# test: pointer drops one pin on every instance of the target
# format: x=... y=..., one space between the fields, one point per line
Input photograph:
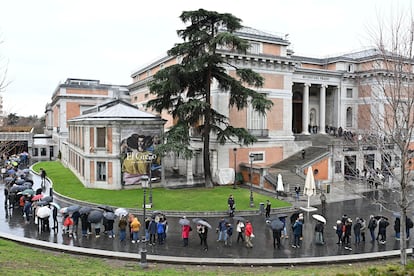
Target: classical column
x=322 y=108
x=305 y=109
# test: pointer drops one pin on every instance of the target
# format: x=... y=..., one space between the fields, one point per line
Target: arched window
x=349 y=117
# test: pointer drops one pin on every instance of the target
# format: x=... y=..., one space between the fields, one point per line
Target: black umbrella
x=109 y=215
x=379 y=217
x=73 y=208
x=16 y=189
x=276 y=224
x=95 y=216
x=42 y=203
x=106 y=208
x=85 y=210
x=47 y=198
x=195 y=220
x=282 y=215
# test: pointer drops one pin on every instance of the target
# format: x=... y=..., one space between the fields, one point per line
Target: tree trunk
x=206 y=136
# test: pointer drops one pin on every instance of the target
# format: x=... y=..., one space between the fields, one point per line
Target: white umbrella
x=310 y=188
x=319 y=218
x=43 y=212
x=279 y=187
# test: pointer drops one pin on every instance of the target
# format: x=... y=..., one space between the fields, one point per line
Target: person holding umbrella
x=185 y=230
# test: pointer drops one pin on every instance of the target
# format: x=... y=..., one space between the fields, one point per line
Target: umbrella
x=196 y=220
x=28 y=192
x=279 y=186
x=11 y=171
x=396 y=214
x=95 y=216
x=379 y=217
x=106 y=208
x=310 y=188
x=37 y=197
x=26 y=170
x=16 y=189
x=48 y=198
x=54 y=204
x=319 y=218
x=20 y=181
x=203 y=222
x=276 y=224
x=73 y=208
x=43 y=212
x=282 y=216
x=63 y=210
x=42 y=203
x=27 y=184
x=109 y=215
x=85 y=210
x=119 y=212
x=184 y=221
x=8 y=179
x=236 y=218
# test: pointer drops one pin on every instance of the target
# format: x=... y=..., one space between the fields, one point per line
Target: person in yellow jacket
x=134 y=225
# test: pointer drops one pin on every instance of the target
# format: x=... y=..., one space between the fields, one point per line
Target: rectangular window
x=258 y=156
x=349 y=93
x=256 y=123
x=43 y=152
x=101 y=137
x=338 y=167
x=254 y=48
x=35 y=152
x=100 y=171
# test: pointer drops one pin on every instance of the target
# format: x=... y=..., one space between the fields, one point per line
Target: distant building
x=70 y=99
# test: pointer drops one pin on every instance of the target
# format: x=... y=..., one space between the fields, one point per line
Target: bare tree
x=385 y=116
x=3 y=69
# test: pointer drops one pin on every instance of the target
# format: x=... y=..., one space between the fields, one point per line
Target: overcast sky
x=47 y=41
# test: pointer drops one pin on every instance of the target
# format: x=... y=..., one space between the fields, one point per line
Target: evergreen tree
x=184 y=89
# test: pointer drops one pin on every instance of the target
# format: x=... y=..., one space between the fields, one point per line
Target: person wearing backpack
x=372 y=224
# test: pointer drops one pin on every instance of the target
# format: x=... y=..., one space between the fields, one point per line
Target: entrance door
x=350 y=167
x=297 y=103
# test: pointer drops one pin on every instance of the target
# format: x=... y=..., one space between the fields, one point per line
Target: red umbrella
x=37 y=197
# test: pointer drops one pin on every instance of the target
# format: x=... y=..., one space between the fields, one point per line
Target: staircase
x=290 y=166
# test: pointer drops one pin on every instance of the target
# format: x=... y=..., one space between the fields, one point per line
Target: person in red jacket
x=248 y=232
x=185 y=233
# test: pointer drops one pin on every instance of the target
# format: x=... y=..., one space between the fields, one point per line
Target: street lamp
x=235 y=169
x=251 y=159
x=150 y=159
x=144 y=264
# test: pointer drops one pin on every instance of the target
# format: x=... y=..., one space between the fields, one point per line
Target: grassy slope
x=191 y=199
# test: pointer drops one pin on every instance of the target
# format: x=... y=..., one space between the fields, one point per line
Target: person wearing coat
x=135 y=225
x=338 y=231
x=297 y=232
x=152 y=230
x=372 y=224
x=185 y=233
x=248 y=232
x=357 y=231
x=122 y=226
x=382 y=230
x=319 y=239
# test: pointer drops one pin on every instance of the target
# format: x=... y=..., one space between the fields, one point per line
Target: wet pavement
x=12 y=222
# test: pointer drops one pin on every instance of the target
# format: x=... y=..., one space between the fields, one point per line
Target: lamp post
x=251 y=159
x=150 y=159
x=144 y=264
x=235 y=169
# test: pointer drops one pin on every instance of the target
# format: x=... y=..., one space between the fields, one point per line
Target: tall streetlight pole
x=235 y=169
x=251 y=159
x=144 y=264
x=150 y=159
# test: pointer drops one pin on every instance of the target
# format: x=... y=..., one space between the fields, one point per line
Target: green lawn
x=16 y=259
x=188 y=199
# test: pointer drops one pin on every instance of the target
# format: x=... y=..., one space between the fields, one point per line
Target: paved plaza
x=358 y=203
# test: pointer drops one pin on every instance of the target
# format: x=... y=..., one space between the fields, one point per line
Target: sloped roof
x=116 y=110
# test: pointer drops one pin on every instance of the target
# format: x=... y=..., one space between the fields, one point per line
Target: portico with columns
x=315 y=105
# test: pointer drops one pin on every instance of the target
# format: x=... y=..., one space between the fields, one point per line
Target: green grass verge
x=16 y=259
x=188 y=199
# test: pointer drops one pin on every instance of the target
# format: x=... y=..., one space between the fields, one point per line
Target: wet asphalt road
x=12 y=222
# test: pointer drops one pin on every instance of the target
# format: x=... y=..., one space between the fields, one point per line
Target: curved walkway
x=173 y=252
